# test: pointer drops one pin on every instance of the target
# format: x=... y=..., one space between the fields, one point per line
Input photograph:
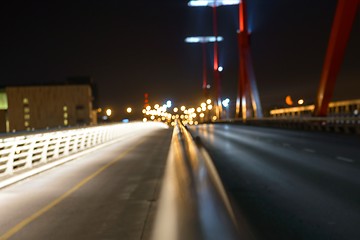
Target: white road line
x=309 y=150
x=345 y=159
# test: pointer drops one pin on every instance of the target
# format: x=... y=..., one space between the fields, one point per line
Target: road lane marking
x=58 y=200
x=309 y=150
x=345 y=159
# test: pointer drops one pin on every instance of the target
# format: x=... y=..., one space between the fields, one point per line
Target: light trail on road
x=289 y=184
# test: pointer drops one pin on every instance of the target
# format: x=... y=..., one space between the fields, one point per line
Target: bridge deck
x=109 y=194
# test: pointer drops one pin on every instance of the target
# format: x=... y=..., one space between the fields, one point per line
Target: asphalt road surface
x=109 y=194
x=288 y=184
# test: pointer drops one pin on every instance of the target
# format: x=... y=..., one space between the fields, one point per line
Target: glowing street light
x=301 y=101
x=108 y=112
x=288 y=100
x=129 y=110
x=226 y=102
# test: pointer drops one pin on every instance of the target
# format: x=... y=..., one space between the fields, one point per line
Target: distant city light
x=176 y=109
x=108 y=112
x=226 y=102
x=156 y=106
x=129 y=110
x=203 y=39
x=301 y=101
x=208 y=101
x=168 y=104
x=220 y=69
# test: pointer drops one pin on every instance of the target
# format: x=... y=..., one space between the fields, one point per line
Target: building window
x=66 y=115
x=26 y=112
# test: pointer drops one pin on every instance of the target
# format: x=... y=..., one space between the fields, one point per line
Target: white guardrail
x=21 y=153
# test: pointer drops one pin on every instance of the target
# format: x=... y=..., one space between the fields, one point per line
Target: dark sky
x=133 y=47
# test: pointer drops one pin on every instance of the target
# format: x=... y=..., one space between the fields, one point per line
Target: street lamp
x=226 y=103
x=129 y=110
x=108 y=112
x=203 y=40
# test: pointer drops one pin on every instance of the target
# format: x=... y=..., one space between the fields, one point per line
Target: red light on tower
x=146 y=99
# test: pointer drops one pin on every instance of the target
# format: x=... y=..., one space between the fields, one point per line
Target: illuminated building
x=39 y=107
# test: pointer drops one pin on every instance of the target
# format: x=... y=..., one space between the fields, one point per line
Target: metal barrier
x=20 y=153
x=349 y=125
x=329 y=124
x=193 y=203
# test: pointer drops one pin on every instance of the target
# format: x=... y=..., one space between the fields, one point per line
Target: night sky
x=133 y=47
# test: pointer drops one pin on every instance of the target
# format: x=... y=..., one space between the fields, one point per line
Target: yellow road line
x=43 y=210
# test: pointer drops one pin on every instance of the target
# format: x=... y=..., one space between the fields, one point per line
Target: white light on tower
x=203 y=39
x=212 y=3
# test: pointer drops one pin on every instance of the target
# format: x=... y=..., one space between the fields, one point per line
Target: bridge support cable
x=344 y=17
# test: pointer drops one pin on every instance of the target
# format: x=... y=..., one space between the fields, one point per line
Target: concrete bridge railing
x=20 y=154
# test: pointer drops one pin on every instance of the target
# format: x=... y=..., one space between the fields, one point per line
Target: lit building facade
x=39 y=107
